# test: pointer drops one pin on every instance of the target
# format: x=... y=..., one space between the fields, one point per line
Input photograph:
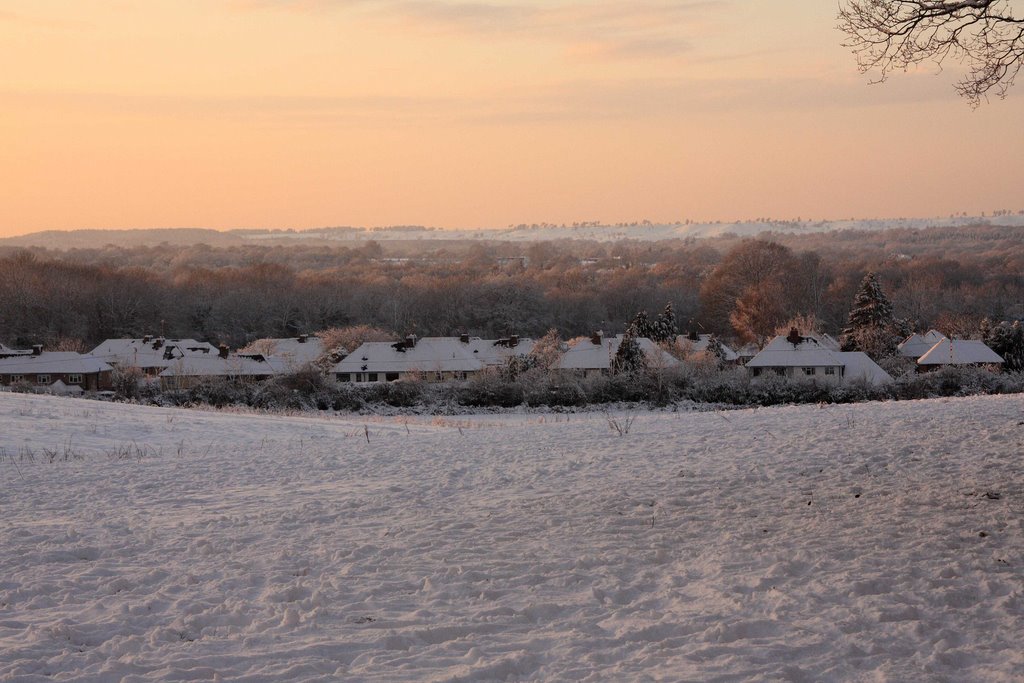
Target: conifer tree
x=871 y=327
x=664 y=328
x=642 y=325
x=629 y=357
x=1006 y=339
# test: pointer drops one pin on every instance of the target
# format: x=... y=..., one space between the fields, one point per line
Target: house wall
x=96 y=381
x=370 y=377
x=819 y=373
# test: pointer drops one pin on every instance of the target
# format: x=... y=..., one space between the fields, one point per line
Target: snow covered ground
x=872 y=542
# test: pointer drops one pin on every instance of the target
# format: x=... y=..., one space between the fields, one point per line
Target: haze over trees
x=738 y=289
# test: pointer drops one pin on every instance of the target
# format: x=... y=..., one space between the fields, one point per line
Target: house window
x=42 y=379
x=438 y=376
x=360 y=377
x=830 y=371
x=809 y=371
x=756 y=372
x=344 y=377
x=17 y=378
x=372 y=377
x=74 y=379
x=391 y=376
x=780 y=371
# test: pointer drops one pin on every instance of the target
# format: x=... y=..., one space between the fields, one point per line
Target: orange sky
x=304 y=113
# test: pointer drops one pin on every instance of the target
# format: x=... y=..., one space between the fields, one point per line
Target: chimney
x=145 y=340
x=597 y=338
x=513 y=341
x=693 y=336
x=794 y=337
x=223 y=350
x=464 y=338
x=303 y=338
x=37 y=349
x=158 y=343
x=410 y=341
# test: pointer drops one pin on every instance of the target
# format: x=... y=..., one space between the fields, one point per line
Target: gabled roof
x=150 y=352
x=781 y=353
x=960 y=352
x=859 y=366
x=430 y=354
x=251 y=365
x=300 y=352
x=53 y=362
x=699 y=346
x=495 y=352
x=8 y=351
x=916 y=345
x=586 y=355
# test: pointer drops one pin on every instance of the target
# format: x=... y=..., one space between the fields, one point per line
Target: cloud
x=597 y=29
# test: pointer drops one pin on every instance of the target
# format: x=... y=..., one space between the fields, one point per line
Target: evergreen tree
x=629 y=358
x=716 y=351
x=642 y=325
x=871 y=327
x=1007 y=340
x=664 y=329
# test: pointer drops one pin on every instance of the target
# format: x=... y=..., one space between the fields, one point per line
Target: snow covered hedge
x=309 y=391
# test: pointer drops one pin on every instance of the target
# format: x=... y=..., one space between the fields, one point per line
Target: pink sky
x=304 y=113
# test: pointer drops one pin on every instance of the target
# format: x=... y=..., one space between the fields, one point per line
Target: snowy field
x=873 y=542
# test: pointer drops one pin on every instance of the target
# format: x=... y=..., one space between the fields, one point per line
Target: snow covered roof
x=748 y=351
x=53 y=362
x=960 y=352
x=495 y=352
x=781 y=353
x=8 y=351
x=586 y=355
x=253 y=365
x=826 y=340
x=150 y=352
x=301 y=350
x=430 y=354
x=699 y=346
x=916 y=345
x=859 y=366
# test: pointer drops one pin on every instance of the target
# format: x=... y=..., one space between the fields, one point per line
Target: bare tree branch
x=893 y=35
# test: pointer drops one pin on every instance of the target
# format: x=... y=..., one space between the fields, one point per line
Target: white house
x=796 y=356
x=151 y=355
x=430 y=358
x=695 y=347
x=958 y=352
x=300 y=350
x=189 y=371
x=595 y=356
x=916 y=345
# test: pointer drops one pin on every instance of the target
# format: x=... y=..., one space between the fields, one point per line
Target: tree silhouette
x=893 y=35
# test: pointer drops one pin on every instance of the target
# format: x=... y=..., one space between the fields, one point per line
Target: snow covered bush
x=490 y=389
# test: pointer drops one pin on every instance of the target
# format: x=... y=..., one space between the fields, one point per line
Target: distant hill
x=90 y=239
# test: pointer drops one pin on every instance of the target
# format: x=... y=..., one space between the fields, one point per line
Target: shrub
x=488 y=389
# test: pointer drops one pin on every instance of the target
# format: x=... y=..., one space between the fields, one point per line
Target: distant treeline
x=738 y=289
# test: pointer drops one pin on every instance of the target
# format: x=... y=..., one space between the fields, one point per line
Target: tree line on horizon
x=739 y=290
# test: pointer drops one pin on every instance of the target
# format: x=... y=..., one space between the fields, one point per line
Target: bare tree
x=891 y=35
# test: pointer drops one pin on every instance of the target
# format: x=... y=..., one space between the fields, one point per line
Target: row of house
x=182 y=363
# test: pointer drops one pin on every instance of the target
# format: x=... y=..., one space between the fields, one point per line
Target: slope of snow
x=878 y=542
